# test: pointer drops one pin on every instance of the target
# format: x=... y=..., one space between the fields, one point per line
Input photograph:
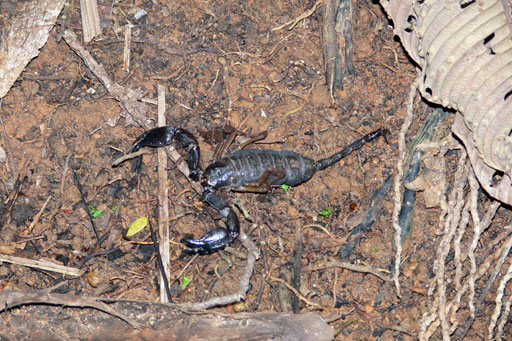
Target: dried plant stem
x=457 y=247
x=504 y=319
x=163 y=204
x=455 y=205
x=498 y=300
x=449 y=220
x=42 y=265
x=402 y=151
x=474 y=242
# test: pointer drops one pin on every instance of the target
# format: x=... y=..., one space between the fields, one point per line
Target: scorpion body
x=244 y=170
x=252 y=166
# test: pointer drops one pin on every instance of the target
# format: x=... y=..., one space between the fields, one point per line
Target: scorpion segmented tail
x=329 y=161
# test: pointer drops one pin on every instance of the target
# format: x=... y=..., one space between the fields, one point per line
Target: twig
x=477 y=230
x=38 y=215
x=163 y=273
x=163 y=204
x=128 y=156
x=12 y=164
x=298 y=294
x=64 y=175
x=84 y=202
x=349 y=266
x=43 y=265
x=127 y=45
x=185 y=268
x=126 y=97
x=90 y=19
x=227 y=83
x=292 y=23
x=323 y=229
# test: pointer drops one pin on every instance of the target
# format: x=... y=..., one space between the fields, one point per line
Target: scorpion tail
x=329 y=161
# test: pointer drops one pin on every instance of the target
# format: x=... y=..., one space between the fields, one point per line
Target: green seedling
x=95 y=212
x=326 y=212
x=115 y=207
x=186 y=281
x=286 y=187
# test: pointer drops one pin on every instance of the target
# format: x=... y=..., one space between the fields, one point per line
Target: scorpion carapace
x=244 y=170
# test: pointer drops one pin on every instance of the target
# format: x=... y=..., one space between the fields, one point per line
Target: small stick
x=298 y=294
x=163 y=204
x=84 y=202
x=225 y=75
x=12 y=164
x=64 y=175
x=38 y=215
x=292 y=23
x=349 y=266
x=127 y=45
x=163 y=273
x=90 y=19
x=185 y=268
x=43 y=265
x=323 y=229
x=128 y=156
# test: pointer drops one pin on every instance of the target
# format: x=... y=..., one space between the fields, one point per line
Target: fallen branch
x=47 y=322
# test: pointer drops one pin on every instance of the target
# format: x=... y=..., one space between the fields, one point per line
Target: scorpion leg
x=217 y=238
x=163 y=136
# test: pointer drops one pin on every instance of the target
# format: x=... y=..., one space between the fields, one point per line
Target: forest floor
x=234 y=75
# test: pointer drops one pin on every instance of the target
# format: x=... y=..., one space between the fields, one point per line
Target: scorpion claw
x=163 y=136
x=156 y=137
x=213 y=241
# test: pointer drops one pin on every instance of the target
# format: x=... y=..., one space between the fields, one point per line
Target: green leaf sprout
x=326 y=212
x=286 y=187
x=186 y=281
x=95 y=212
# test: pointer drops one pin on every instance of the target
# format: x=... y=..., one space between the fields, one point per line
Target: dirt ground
x=234 y=72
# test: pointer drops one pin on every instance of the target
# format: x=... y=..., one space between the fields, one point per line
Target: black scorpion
x=249 y=170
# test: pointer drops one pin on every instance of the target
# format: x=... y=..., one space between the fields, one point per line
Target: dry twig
x=43 y=265
x=163 y=201
x=349 y=266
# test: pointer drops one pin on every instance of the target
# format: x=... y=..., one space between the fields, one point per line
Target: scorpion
x=249 y=170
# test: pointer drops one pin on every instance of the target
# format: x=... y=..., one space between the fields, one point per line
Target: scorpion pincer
x=248 y=170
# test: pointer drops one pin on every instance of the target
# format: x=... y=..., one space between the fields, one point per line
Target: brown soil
x=58 y=116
